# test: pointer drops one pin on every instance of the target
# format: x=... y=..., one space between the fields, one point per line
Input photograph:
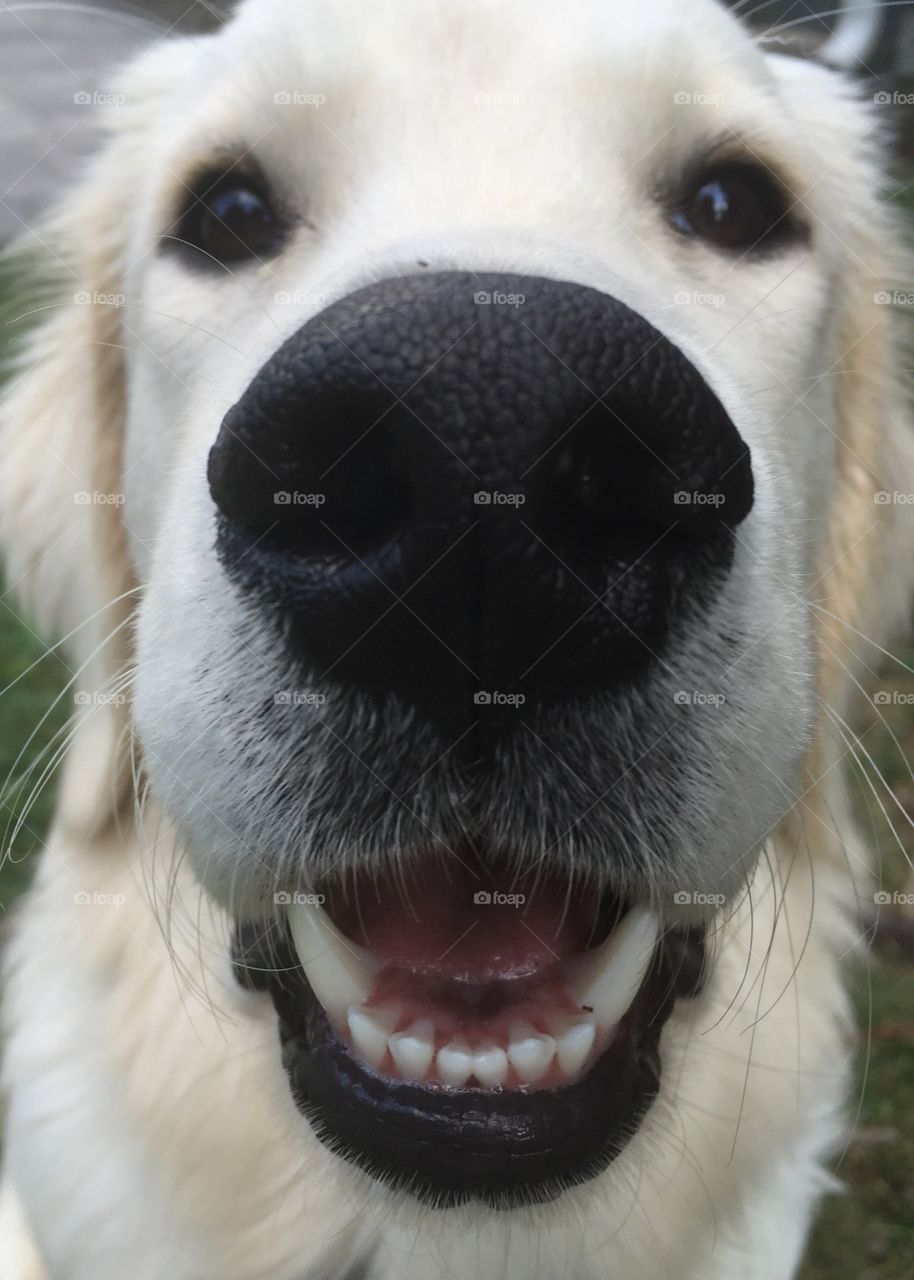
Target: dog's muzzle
x=479 y=493
x=482 y=497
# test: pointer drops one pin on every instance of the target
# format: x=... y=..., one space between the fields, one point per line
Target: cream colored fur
x=150 y=1130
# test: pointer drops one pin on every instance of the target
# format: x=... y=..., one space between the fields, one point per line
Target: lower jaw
x=503 y=1148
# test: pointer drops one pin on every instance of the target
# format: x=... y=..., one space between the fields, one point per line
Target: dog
x=464 y=471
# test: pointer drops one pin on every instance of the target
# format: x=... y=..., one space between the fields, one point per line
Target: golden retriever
x=464 y=470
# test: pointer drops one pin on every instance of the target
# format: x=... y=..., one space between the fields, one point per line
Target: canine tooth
x=490 y=1065
x=573 y=1044
x=413 y=1050
x=370 y=1030
x=455 y=1063
x=340 y=973
x=609 y=979
x=529 y=1052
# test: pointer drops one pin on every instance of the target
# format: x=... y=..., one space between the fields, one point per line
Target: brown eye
x=738 y=208
x=229 y=219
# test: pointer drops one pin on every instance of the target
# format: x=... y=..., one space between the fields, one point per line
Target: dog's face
x=480 y=436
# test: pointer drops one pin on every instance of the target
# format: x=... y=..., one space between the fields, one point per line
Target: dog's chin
x=467 y=1045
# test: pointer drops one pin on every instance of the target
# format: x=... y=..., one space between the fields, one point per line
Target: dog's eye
x=229 y=219
x=737 y=207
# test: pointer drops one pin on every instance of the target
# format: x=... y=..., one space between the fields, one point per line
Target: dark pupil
x=235 y=222
x=727 y=213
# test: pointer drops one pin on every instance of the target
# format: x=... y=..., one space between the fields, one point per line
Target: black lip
x=450 y=1146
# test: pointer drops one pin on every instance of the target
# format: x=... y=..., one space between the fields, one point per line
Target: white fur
x=150 y=1130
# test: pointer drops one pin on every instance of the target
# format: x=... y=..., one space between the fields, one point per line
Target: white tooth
x=609 y=978
x=370 y=1029
x=573 y=1044
x=413 y=1050
x=340 y=973
x=455 y=1063
x=530 y=1052
x=490 y=1065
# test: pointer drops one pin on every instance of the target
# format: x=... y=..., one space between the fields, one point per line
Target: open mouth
x=469 y=1033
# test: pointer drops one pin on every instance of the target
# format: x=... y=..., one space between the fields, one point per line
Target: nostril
x=323 y=475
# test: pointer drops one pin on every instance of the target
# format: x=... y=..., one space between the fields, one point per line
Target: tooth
x=340 y=973
x=370 y=1030
x=609 y=978
x=530 y=1053
x=413 y=1050
x=455 y=1063
x=490 y=1065
x=573 y=1044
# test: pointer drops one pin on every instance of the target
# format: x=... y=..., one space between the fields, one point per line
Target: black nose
x=480 y=493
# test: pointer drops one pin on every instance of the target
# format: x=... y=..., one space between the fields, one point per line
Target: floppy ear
x=62 y=534
x=869 y=555
x=866 y=588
